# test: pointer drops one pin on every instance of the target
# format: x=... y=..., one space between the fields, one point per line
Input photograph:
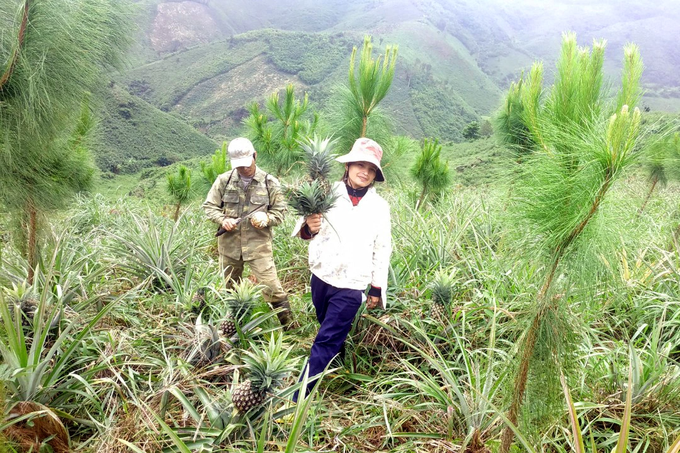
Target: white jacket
x=354 y=243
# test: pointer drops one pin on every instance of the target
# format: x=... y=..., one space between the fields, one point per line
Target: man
x=247 y=202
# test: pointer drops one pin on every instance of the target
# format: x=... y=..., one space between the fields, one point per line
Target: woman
x=349 y=251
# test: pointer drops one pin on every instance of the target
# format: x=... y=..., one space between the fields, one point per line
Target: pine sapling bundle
x=315 y=195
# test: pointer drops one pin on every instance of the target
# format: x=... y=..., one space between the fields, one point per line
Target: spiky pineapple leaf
x=268 y=365
x=443 y=287
x=242 y=298
x=310 y=198
x=320 y=157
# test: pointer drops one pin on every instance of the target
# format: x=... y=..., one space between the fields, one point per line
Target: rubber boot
x=285 y=315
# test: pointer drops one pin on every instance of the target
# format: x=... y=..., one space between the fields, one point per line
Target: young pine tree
x=662 y=163
x=55 y=52
x=217 y=166
x=179 y=188
x=367 y=87
x=577 y=146
x=431 y=173
x=277 y=138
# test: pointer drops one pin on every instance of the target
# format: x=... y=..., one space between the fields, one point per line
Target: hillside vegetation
x=135 y=135
x=206 y=61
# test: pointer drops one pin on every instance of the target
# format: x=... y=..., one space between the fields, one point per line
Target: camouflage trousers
x=264 y=270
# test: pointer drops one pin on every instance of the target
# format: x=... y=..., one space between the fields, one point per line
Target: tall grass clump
x=579 y=146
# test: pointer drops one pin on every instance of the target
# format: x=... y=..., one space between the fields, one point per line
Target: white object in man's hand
x=259 y=220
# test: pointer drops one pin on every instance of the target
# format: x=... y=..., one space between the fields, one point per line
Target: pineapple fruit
x=443 y=289
x=241 y=300
x=198 y=301
x=267 y=367
x=228 y=326
x=259 y=219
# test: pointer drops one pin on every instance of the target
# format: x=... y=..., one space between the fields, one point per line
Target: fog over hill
x=492 y=30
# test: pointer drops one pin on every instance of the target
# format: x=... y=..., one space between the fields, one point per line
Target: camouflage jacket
x=227 y=199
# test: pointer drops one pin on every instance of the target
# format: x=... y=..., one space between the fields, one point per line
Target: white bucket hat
x=241 y=152
x=365 y=150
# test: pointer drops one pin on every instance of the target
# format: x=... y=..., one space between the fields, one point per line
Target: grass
x=409 y=384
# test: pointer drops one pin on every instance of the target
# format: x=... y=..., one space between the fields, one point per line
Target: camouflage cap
x=241 y=152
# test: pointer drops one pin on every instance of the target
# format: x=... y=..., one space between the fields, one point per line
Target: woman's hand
x=313 y=223
x=372 y=302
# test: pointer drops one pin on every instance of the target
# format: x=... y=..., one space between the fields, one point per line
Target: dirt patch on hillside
x=179 y=25
x=223 y=98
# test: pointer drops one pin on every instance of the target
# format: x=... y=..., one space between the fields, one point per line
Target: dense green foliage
x=471 y=131
x=311 y=56
x=429 y=171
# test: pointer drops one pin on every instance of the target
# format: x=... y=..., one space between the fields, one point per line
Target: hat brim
x=241 y=162
x=349 y=158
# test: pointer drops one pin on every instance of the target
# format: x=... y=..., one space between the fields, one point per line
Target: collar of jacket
x=259 y=175
x=340 y=189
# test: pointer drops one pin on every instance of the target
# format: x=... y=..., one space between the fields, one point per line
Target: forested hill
x=203 y=61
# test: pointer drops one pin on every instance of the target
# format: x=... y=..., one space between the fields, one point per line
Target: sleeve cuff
x=375 y=291
x=305 y=233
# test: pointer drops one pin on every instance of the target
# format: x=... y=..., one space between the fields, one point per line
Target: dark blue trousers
x=335 y=310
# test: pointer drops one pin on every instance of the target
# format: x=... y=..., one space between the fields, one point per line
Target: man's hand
x=313 y=223
x=372 y=302
x=229 y=224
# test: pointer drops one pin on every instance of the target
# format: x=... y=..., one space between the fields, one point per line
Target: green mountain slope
x=205 y=61
x=209 y=85
x=136 y=135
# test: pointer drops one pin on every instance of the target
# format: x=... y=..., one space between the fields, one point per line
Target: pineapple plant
x=309 y=198
x=206 y=345
x=198 y=301
x=314 y=195
x=443 y=289
x=267 y=368
x=22 y=303
x=241 y=299
x=320 y=160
